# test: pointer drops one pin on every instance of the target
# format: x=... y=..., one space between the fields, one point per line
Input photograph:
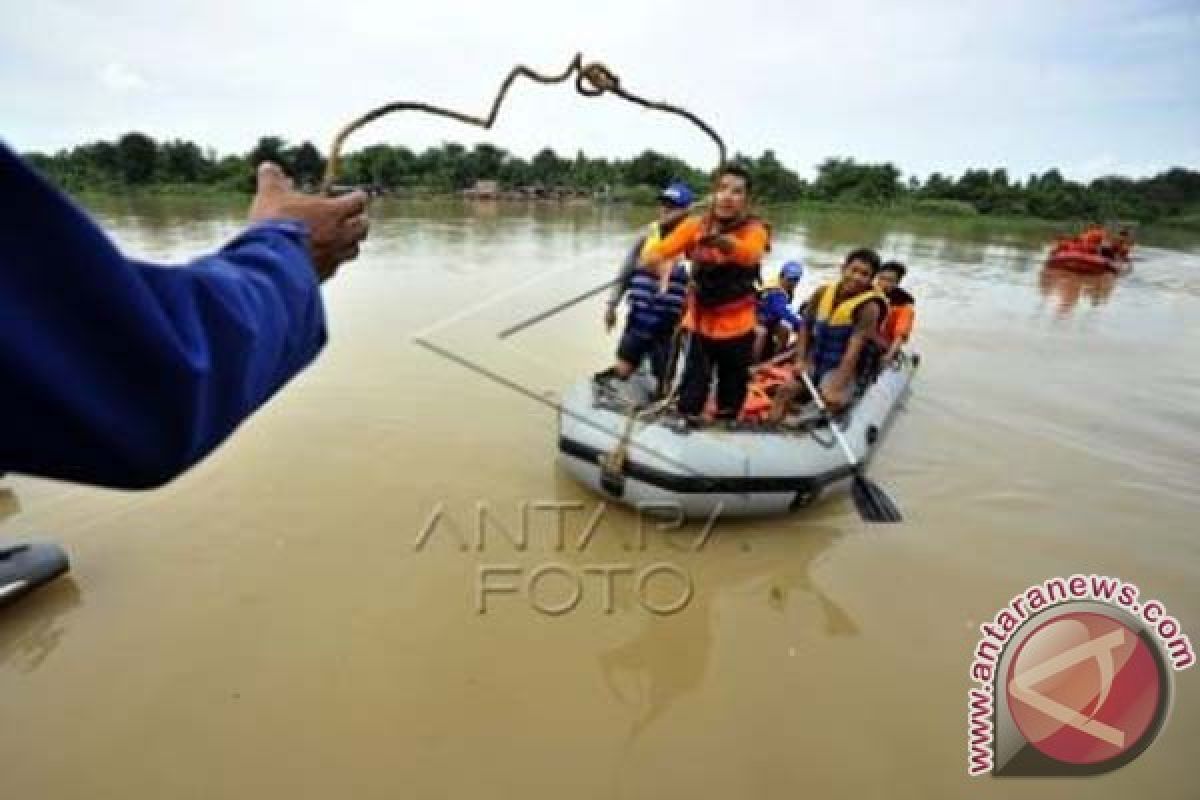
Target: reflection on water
x=669 y=657
x=268 y=613
x=9 y=504
x=1065 y=288
x=32 y=628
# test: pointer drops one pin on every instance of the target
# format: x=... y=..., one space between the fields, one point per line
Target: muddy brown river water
x=297 y=617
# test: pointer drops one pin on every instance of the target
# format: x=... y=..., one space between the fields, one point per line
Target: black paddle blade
x=872 y=502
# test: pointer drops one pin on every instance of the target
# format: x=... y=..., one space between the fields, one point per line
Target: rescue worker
x=725 y=247
x=1123 y=244
x=121 y=373
x=653 y=316
x=777 y=322
x=1092 y=238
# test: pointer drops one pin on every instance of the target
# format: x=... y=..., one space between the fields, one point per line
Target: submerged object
x=24 y=567
x=737 y=469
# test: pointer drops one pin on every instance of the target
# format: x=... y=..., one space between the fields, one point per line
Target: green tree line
x=137 y=160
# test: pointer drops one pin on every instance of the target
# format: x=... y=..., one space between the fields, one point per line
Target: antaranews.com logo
x=1073 y=678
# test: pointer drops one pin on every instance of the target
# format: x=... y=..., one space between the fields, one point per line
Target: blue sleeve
x=791 y=317
x=124 y=374
x=779 y=308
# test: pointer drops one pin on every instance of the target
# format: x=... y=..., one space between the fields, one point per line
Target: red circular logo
x=1084 y=688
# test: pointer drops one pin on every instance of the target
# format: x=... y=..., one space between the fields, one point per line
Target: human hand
x=836 y=390
x=610 y=319
x=336 y=224
x=719 y=241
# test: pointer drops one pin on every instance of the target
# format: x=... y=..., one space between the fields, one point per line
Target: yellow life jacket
x=844 y=313
x=834 y=326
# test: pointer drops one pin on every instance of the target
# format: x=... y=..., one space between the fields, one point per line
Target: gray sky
x=1090 y=87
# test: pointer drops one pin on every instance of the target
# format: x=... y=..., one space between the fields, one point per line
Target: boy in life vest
x=653 y=316
x=841 y=324
x=776 y=319
x=898 y=325
x=725 y=247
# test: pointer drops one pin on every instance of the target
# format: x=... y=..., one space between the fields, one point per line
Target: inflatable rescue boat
x=656 y=458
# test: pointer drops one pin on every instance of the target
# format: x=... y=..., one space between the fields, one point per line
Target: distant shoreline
x=897 y=210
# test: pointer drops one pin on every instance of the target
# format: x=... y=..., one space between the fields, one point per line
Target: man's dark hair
x=896 y=267
x=736 y=170
x=865 y=255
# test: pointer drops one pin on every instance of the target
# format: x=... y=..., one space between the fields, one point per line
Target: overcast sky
x=1092 y=87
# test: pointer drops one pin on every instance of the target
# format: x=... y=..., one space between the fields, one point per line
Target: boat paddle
x=872 y=502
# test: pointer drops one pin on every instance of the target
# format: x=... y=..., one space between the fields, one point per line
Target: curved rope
x=591 y=80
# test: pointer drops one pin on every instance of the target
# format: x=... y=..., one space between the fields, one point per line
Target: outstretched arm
x=124 y=374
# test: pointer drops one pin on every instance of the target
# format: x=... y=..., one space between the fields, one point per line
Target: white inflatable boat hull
x=712 y=471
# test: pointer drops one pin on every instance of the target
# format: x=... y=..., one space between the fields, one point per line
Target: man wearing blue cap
x=653 y=316
x=776 y=319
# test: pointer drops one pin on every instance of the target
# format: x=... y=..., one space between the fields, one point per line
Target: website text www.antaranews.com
x=1032 y=601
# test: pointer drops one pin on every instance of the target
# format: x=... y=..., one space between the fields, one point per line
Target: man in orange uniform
x=725 y=246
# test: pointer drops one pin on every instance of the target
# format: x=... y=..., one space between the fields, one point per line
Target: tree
x=847 y=181
x=547 y=168
x=305 y=163
x=486 y=161
x=269 y=148
x=183 y=162
x=772 y=180
x=136 y=157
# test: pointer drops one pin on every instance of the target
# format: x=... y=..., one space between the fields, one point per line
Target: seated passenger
x=843 y=321
x=776 y=319
x=901 y=316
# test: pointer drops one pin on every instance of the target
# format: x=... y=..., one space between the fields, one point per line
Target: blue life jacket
x=653 y=313
x=775 y=306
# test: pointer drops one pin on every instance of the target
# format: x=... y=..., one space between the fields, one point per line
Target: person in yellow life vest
x=897 y=327
x=725 y=246
x=842 y=321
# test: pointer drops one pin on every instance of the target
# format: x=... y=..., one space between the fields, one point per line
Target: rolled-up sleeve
x=122 y=373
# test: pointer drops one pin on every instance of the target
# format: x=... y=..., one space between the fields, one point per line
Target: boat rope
x=591 y=80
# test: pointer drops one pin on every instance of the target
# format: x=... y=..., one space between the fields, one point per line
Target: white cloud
x=930 y=85
x=120 y=78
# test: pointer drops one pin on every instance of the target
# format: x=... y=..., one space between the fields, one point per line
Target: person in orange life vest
x=842 y=319
x=1092 y=238
x=898 y=325
x=725 y=246
x=1123 y=245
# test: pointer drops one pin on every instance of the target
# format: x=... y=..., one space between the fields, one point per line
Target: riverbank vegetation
x=136 y=162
